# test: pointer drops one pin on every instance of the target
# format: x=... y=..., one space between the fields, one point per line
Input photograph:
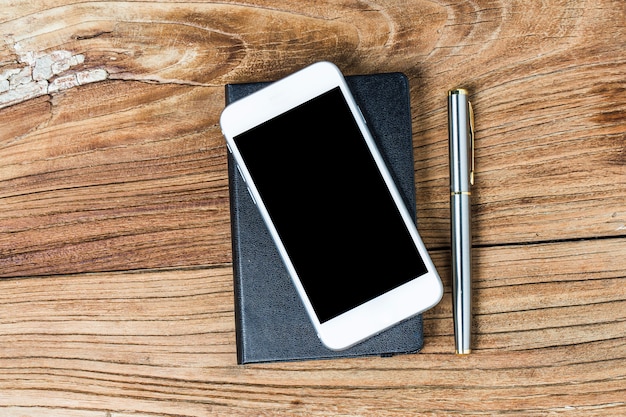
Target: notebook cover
x=271 y=322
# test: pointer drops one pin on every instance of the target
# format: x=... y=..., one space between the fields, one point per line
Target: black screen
x=330 y=205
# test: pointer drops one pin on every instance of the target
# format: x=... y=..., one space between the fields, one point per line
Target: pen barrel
x=461 y=271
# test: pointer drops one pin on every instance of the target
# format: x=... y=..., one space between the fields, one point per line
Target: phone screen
x=330 y=205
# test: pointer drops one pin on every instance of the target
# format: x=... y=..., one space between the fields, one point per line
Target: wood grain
x=117 y=295
x=163 y=342
x=543 y=159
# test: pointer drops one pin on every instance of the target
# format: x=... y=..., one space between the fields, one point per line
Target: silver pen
x=461 y=137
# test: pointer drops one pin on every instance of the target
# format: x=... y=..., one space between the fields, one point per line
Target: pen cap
x=460 y=141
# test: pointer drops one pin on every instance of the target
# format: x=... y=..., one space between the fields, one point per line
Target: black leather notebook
x=271 y=322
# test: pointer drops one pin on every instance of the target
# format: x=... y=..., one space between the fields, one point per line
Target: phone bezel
x=393 y=306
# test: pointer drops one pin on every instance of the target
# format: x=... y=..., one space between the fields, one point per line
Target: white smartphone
x=330 y=204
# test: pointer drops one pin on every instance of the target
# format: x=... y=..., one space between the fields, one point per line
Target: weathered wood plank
x=550 y=165
x=145 y=340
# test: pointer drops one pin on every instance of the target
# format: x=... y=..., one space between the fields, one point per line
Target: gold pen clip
x=471 y=132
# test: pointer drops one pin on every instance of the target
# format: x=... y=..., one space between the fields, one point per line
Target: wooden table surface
x=117 y=297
